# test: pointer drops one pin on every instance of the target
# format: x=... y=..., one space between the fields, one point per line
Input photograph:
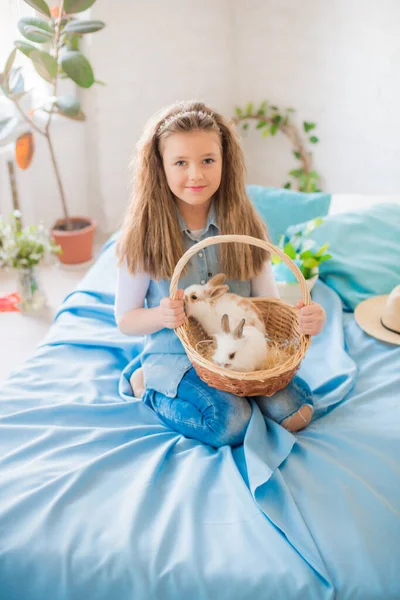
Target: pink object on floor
x=9 y=303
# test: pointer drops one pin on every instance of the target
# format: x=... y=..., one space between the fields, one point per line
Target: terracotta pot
x=77 y=244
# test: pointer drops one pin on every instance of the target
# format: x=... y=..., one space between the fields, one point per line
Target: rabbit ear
x=216 y=280
x=238 y=333
x=225 y=324
x=217 y=292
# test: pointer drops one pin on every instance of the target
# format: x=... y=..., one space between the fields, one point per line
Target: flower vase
x=30 y=289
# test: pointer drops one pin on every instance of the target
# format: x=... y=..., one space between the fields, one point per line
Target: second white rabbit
x=243 y=349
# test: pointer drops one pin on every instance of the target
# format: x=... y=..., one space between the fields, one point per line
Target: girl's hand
x=172 y=313
x=311 y=318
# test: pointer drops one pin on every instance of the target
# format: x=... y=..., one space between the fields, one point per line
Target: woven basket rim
x=181 y=331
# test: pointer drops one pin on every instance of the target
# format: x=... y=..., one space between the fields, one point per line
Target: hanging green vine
x=269 y=120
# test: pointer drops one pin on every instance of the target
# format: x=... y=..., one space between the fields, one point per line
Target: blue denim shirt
x=164 y=359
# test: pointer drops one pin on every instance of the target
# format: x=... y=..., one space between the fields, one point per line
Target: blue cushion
x=280 y=208
x=365 y=249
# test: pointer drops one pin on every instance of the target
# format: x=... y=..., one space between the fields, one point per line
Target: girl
x=189 y=185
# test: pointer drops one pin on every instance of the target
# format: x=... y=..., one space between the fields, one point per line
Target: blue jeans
x=219 y=418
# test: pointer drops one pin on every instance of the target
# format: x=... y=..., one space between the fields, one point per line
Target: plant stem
x=13 y=184
x=27 y=119
x=56 y=51
x=60 y=185
x=47 y=128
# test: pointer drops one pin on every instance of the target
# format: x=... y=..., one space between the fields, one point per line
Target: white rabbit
x=208 y=303
x=243 y=350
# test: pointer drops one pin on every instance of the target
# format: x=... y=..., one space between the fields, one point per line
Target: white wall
x=151 y=54
x=336 y=62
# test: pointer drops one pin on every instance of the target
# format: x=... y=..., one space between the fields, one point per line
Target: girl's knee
x=231 y=425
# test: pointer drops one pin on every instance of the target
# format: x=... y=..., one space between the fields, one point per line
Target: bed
x=99 y=499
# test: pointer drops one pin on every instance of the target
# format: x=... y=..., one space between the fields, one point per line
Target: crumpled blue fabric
x=99 y=499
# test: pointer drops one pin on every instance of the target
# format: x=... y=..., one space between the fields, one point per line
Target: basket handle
x=242 y=239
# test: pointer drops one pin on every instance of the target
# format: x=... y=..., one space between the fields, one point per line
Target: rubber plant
x=270 y=120
x=51 y=41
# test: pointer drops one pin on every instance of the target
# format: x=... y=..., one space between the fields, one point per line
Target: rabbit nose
x=227 y=365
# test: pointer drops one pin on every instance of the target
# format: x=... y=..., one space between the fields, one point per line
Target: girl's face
x=193 y=165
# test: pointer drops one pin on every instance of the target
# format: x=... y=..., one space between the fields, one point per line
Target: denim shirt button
x=201 y=254
x=202 y=281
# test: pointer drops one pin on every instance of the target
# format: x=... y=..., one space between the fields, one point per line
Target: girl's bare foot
x=137 y=382
x=300 y=419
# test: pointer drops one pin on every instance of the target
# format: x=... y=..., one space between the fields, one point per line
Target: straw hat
x=380 y=316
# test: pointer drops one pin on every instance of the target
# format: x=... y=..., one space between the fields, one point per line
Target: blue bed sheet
x=99 y=499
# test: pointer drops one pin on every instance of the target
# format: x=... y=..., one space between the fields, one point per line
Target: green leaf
x=45 y=64
x=287 y=186
x=314 y=139
x=325 y=257
x=306 y=254
x=277 y=119
x=274 y=108
x=238 y=111
x=37 y=35
x=245 y=126
x=306 y=272
x=3 y=85
x=249 y=109
x=290 y=110
x=24 y=47
x=310 y=263
x=79 y=117
x=68 y=105
x=297 y=154
x=9 y=64
x=274 y=128
x=313 y=175
x=78 y=68
x=39 y=5
x=84 y=26
x=4 y=123
x=322 y=250
x=311 y=225
x=261 y=124
x=296 y=172
x=75 y=6
x=263 y=108
x=304 y=181
x=73 y=42
x=16 y=83
x=7 y=126
x=276 y=260
x=41 y=36
x=308 y=126
x=266 y=132
x=290 y=251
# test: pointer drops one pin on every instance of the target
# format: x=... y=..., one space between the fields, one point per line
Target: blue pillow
x=365 y=249
x=280 y=208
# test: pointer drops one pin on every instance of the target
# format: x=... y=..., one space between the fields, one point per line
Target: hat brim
x=368 y=317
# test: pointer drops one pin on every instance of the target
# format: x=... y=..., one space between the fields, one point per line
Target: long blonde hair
x=150 y=237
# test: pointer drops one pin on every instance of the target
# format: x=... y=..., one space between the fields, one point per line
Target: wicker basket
x=287 y=346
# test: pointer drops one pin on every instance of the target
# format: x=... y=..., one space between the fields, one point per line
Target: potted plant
x=305 y=253
x=52 y=42
x=22 y=249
